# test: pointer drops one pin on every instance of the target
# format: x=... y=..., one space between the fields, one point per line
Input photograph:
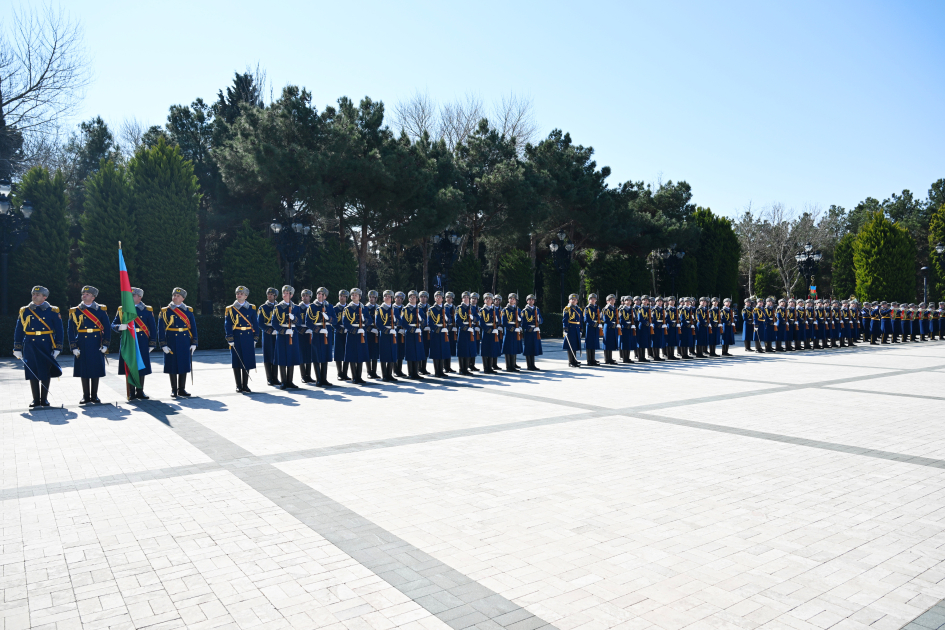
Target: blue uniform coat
x=439 y=333
x=241 y=328
x=177 y=331
x=89 y=332
x=385 y=322
x=37 y=334
x=412 y=324
x=531 y=327
x=354 y=318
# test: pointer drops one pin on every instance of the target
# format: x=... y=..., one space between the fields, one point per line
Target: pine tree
x=767 y=281
x=44 y=256
x=166 y=197
x=844 y=272
x=106 y=221
x=332 y=265
x=251 y=261
x=937 y=236
x=466 y=275
x=884 y=257
x=515 y=274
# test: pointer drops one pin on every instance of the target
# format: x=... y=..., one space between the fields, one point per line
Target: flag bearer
x=146 y=334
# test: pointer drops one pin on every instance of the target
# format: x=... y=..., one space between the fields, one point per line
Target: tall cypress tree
x=331 y=265
x=166 y=198
x=44 y=256
x=884 y=256
x=107 y=220
x=936 y=236
x=844 y=272
x=251 y=261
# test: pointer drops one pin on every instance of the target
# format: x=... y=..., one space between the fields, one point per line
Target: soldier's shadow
x=271 y=399
x=109 y=412
x=202 y=403
x=51 y=415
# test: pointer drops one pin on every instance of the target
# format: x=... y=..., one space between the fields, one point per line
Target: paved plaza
x=791 y=491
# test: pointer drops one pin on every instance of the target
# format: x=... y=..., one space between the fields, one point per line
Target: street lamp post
x=672 y=259
x=561 y=249
x=808 y=262
x=13 y=231
x=446 y=246
x=290 y=242
x=925 y=284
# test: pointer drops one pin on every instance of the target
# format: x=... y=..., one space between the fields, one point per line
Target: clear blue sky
x=797 y=102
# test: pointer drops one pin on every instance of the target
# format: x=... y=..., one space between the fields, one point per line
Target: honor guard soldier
x=531 y=332
x=747 y=326
x=146 y=337
x=177 y=336
x=854 y=321
x=37 y=341
x=89 y=335
x=465 y=334
x=571 y=321
x=671 y=314
x=790 y=317
x=628 y=330
x=727 y=326
x=385 y=322
x=305 y=337
x=490 y=347
x=759 y=324
x=611 y=326
x=269 y=331
x=684 y=319
x=288 y=342
x=439 y=335
x=341 y=338
x=780 y=324
x=512 y=346
x=714 y=336
x=644 y=322
x=497 y=302
x=592 y=329
x=703 y=328
x=450 y=309
x=659 y=329
x=474 y=304
x=423 y=306
x=318 y=321
x=242 y=333
x=399 y=298
x=412 y=325
x=373 y=334
x=355 y=322
x=886 y=324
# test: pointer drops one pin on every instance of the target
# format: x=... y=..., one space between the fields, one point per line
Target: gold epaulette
x=71 y=310
x=23 y=308
x=252 y=306
x=228 y=308
x=150 y=310
x=103 y=307
x=163 y=308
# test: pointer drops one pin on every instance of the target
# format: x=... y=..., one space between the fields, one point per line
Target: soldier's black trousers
x=530 y=363
x=572 y=360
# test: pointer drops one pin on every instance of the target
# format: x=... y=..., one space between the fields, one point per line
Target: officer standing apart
x=89 y=335
x=146 y=336
x=177 y=335
x=242 y=333
x=37 y=341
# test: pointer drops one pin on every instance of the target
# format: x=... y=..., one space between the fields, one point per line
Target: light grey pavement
x=802 y=490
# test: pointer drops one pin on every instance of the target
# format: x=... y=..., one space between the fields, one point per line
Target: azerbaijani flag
x=130 y=352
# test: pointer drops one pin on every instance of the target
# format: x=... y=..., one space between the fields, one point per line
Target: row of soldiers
x=788 y=324
x=355 y=334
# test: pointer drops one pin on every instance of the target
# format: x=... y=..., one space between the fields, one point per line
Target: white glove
x=427 y=329
x=55 y=353
x=518 y=330
x=393 y=332
x=634 y=327
x=324 y=331
x=375 y=331
x=290 y=332
x=104 y=349
x=477 y=328
x=310 y=332
x=291 y=316
x=455 y=329
x=164 y=348
x=123 y=327
x=360 y=331
x=19 y=354
x=231 y=343
x=76 y=352
x=273 y=331
x=192 y=348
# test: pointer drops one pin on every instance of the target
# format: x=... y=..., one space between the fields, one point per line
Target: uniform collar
x=42 y=307
x=141 y=306
x=238 y=305
x=82 y=305
x=173 y=306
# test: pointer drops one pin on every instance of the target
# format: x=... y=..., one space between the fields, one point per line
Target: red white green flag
x=130 y=352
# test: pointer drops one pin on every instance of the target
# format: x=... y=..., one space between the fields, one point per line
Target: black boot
x=572 y=360
x=591 y=360
x=238 y=375
x=342 y=370
x=173 y=385
x=306 y=371
x=885 y=339
x=181 y=383
x=245 y=377
x=515 y=367
x=272 y=378
x=37 y=399
x=372 y=370
x=725 y=352
x=422 y=368
x=94 y=389
x=86 y=396
x=400 y=369
x=324 y=373
x=530 y=363
x=44 y=391
x=609 y=358
x=471 y=366
x=447 y=366
x=290 y=374
x=508 y=363
x=284 y=384
x=357 y=369
x=438 y=369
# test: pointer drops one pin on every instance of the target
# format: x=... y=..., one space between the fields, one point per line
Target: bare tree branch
x=131 y=133
x=459 y=119
x=416 y=116
x=514 y=117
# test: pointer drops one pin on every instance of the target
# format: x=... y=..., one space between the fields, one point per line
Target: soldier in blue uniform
x=727 y=326
x=612 y=333
x=572 y=320
x=269 y=332
x=37 y=341
x=355 y=323
x=671 y=321
x=177 y=336
x=412 y=325
x=780 y=324
x=531 y=332
x=146 y=337
x=399 y=298
x=592 y=329
x=385 y=323
x=341 y=337
x=627 y=329
x=746 y=319
x=684 y=327
x=241 y=328
x=643 y=318
x=89 y=335
x=896 y=329
x=791 y=331
x=305 y=337
x=474 y=307
x=659 y=329
x=512 y=345
x=759 y=324
x=465 y=324
x=489 y=318
x=703 y=328
x=439 y=335
x=886 y=324
x=318 y=322
x=423 y=306
x=287 y=320
x=450 y=309
x=373 y=334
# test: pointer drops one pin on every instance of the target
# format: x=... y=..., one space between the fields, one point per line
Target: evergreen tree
x=251 y=261
x=466 y=275
x=844 y=272
x=515 y=274
x=166 y=197
x=708 y=253
x=884 y=257
x=43 y=258
x=553 y=281
x=687 y=282
x=937 y=236
x=331 y=265
x=767 y=281
x=106 y=221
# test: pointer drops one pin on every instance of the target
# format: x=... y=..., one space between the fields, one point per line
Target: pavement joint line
x=931 y=619
x=363 y=540
x=899 y=394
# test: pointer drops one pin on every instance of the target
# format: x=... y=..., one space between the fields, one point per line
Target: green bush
x=516 y=274
x=884 y=256
x=466 y=275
